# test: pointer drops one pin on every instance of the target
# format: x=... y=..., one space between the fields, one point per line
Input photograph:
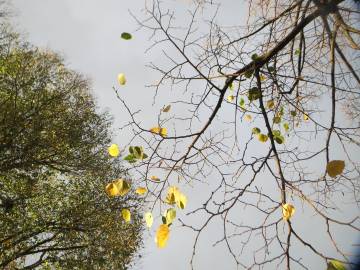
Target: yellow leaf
x=141 y=190
x=288 y=211
x=149 y=219
x=159 y=130
x=113 y=150
x=167 y=108
x=230 y=98
x=306 y=117
x=262 y=137
x=111 y=190
x=121 y=79
x=335 y=168
x=270 y=104
x=162 y=235
x=262 y=77
x=248 y=117
x=117 y=188
x=335 y=265
x=172 y=196
x=170 y=215
x=154 y=178
x=126 y=215
x=181 y=203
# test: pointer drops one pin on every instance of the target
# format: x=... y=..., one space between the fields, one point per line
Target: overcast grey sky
x=87 y=33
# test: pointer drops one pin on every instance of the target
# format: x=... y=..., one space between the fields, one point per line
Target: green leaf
x=279 y=139
x=126 y=36
x=256 y=130
x=276 y=133
x=129 y=157
x=293 y=113
x=182 y=206
x=131 y=150
x=163 y=219
x=297 y=51
x=254 y=56
x=242 y=103
x=254 y=94
x=286 y=127
x=138 y=151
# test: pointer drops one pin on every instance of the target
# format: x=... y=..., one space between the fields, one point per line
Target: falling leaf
x=118 y=187
x=335 y=168
x=170 y=215
x=141 y=190
x=167 y=108
x=162 y=235
x=113 y=150
x=154 y=178
x=149 y=219
x=126 y=36
x=335 y=265
x=248 y=117
x=288 y=211
x=172 y=196
x=121 y=79
x=256 y=130
x=262 y=137
x=126 y=215
x=230 y=98
x=182 y=201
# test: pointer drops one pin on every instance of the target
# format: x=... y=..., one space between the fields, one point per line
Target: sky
x=87 y=34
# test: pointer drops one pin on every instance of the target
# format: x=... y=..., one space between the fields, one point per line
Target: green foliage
x=54 y=167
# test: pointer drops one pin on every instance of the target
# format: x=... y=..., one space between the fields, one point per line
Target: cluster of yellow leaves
x=288 y=211
x=119 y=187
x=335 y=168
x=159 y=130
x=113 y=150
x=174 y=196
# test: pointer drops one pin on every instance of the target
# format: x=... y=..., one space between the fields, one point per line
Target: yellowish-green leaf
x=262 y=77
x=288 y=211
x=113 y=150
x=170 y=215
x=335 y=265
x=173 y=195
x=182 y=201
x=126 y=214
x=335 y=168
x=141 y=190
x=149 y=219
x=121 y=79
x=262 y=137
x=167 y=108
x=230 y=98
x=270 y=104
x=162 y=235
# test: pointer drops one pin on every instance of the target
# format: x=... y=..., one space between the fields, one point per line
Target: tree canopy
x=54 y=166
